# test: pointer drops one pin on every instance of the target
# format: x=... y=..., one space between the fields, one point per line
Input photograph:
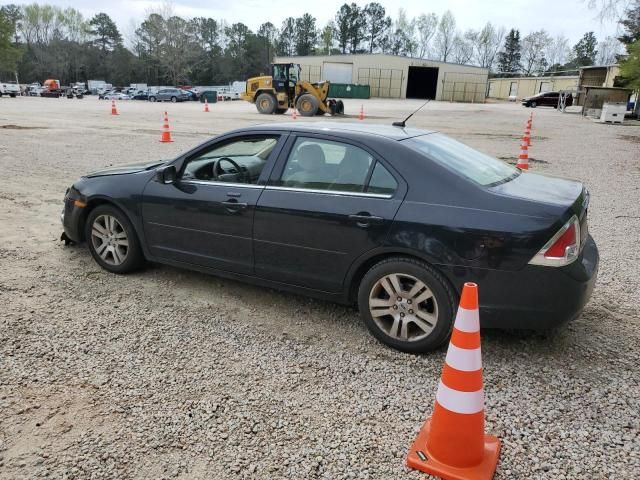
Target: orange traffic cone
x=523 y=158
x=361 y=116
x=452 y=443
x=206 y=105
x=166 y=131
x=114 y=110
x=527 y=135
x=294 y=115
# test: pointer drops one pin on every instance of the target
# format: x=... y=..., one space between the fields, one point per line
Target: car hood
x=541 y=189
x=126 y=169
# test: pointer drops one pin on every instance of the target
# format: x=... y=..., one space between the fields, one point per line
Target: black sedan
x=393 y=219
x=546 y=99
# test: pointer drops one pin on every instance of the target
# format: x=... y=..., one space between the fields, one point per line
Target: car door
x=550 y=99
x=206 y=216
x=328 y=202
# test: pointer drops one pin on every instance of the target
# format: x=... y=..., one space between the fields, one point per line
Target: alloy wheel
x=403 y=307
x=109 y=239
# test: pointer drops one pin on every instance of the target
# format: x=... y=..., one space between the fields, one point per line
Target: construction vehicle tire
x=339 y=107
x=307 y=105
x=266 y=103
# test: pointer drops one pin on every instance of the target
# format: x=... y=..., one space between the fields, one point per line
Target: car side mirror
x=167 y=175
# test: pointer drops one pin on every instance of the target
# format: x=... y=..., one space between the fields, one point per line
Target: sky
x=569 y=17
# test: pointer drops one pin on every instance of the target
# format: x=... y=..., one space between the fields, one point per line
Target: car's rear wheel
x=407 y=304
x=174 y=99
x=112 y=240
x=152 y=99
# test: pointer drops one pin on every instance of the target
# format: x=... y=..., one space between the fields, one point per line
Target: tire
x=127 y=259
x=266 y=103
x=437 y=302
x=152 y=99
x=307 y=105
x=534 y=104
x=12 y=95
x=340 y=107
x=174 y=99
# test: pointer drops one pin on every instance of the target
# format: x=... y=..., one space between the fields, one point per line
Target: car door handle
x=364 y=220
x=234 y=205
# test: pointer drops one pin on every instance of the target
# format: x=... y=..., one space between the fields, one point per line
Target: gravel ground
x=172 y=374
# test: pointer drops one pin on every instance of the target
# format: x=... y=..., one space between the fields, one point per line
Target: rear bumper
x=538 y=297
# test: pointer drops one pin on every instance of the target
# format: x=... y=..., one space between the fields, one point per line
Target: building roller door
x=338 y=72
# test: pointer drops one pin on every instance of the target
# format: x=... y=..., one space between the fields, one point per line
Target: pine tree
x=306 y=35
x=105 y=32
x=631 y=24
x=584 y=52
x=377 y=24
x=509 y=57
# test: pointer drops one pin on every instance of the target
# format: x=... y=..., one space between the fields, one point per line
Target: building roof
x=383 y=55
x=345 y=128
x=599 y=66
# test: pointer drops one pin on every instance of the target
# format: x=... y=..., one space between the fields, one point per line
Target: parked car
x=11 y=89
x=115 y=96
x=392 y=219
x=193 y=95
x=140 y=95
x=545 y=99
x=169 y=95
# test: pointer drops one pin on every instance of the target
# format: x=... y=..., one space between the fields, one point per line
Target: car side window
x=382 y=181
x=239 y=160
x=326 y=165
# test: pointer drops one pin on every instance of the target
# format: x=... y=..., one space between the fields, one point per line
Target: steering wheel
x=216 y=170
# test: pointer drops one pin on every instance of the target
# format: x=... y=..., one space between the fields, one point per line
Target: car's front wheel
x=112 y=240
x=407 y=304
x=533 y=104
x=152 y=99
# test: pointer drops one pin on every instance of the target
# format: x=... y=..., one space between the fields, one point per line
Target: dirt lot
x=173 y=374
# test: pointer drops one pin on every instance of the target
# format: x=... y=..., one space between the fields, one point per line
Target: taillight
x=563 y=248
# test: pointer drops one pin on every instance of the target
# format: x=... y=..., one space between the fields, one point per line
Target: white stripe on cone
x=460 y=402
x=463 y=359
x=467 y=320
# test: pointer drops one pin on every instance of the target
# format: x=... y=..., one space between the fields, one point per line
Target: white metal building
x=394 y=76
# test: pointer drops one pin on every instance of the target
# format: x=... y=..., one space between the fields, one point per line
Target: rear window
x=476 y=166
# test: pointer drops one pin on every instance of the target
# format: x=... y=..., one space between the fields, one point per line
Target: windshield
x=478 y=167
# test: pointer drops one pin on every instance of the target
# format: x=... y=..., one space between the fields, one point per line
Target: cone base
x=482 y=471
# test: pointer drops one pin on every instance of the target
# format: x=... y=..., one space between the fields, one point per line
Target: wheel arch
x=362 y=265
x=95 y=202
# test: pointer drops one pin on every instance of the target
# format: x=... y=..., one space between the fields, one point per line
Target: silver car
x=169 y=95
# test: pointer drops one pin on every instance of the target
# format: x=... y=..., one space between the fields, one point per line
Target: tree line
x=40 y=41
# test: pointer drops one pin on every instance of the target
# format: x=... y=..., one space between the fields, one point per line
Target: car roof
x=345 y=129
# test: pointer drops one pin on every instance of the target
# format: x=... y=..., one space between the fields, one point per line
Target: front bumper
x=72 y=216
x=538 y=297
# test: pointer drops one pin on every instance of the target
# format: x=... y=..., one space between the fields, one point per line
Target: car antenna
x=403 y=123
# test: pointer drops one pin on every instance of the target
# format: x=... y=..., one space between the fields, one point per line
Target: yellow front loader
x=283 y=89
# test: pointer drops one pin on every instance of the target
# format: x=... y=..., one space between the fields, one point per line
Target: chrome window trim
x=226 y=184
x=330 y=192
